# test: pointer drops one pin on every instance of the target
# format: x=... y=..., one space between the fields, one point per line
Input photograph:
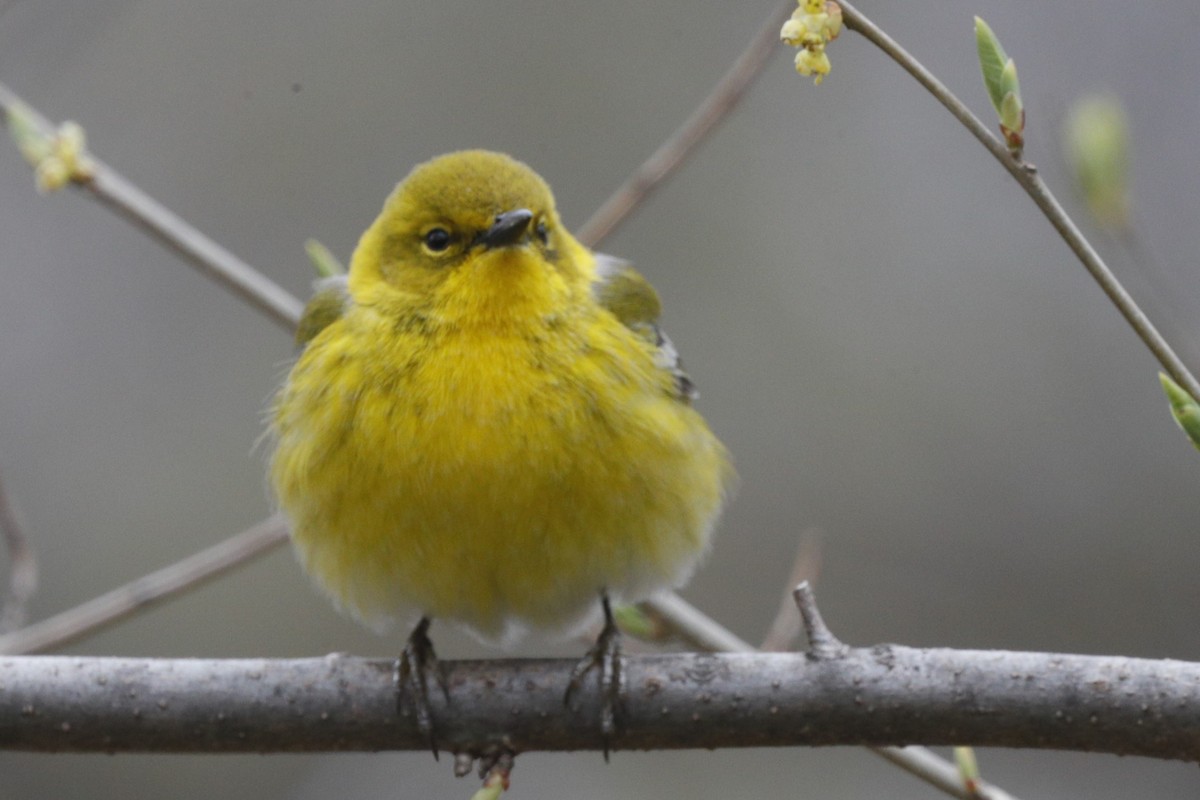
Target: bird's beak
x=508 y=228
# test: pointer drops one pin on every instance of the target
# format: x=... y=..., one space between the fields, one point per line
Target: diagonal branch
x=148 y=590
x=671 y=154
x=145 y=213
x=1027 y=176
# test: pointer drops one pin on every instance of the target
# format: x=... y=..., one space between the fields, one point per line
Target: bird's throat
x=504 y=288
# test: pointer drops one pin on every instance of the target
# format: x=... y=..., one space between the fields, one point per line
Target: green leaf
x=992 y=60
x=490 y=791
x=1184 y=408
x=1009 y=83
x=323 y=261
x=968 y=767
x=1096 y=141
x=30 y=139
x=631 y=620
x=1012 y=113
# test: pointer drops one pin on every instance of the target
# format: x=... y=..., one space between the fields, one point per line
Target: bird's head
x=472 y=232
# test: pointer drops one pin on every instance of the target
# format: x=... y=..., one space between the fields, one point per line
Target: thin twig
x=937 y=772
x=1029 y=179
x=161 y=224
x=671 y=153
x=147 y=591
x=822 y=644
x=22 y=566
x=695 y=627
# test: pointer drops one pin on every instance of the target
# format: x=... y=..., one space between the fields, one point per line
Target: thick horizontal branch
x=886 y=695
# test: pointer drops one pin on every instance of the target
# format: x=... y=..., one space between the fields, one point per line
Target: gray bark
x=885 y=695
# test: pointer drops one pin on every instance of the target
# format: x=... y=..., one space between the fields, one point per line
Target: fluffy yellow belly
x=491 y=481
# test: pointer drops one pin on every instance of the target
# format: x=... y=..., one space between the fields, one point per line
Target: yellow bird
x=487 y=425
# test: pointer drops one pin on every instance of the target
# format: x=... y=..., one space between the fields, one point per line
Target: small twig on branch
x=822 y=644
x=495 y=771
x=920 y=762
x=884 y=695
x=1029 y=179
x=22 y=566
x=671 y=153
x=147 y=591
x=805 y=566
x=936 y=771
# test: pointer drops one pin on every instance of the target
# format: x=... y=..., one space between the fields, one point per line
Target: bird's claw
x=604 y=656
x=412 y=675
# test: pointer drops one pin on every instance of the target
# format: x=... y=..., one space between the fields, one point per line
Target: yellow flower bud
x=813 y=62
x=793 y=32
x=813 y=25
x=816 y=30
x=70 y=147
x=50 y=174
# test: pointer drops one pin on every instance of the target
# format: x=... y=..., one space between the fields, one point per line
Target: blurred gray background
x=893 y=343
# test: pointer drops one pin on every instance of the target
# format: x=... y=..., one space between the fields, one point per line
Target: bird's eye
x=542 y=233
x=437 y=240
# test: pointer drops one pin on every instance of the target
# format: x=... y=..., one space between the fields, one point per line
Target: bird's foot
x=604 y=657
x=412 y=677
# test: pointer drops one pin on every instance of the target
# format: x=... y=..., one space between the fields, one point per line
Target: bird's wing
x=622 y=290
x=329 y=302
